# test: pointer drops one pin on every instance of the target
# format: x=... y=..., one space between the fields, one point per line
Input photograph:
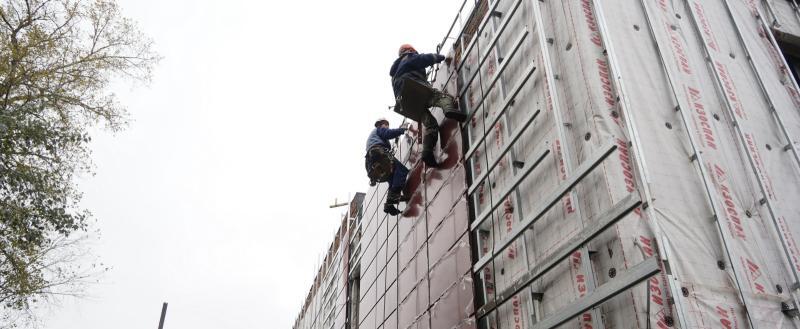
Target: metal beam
x=506 y=104
x=636 y=148
x=738 y=274
x=789 y=260
x=604 y=221
x=535 y=160
x=566 y=154
x=548 y=203
x=630 y=278
x=472 y=42
x=485 y=56
x=514 y=137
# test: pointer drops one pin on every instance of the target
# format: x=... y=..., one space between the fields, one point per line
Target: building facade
x=627 y=164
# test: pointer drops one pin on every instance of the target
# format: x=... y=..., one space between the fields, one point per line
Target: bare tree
x=57 y=58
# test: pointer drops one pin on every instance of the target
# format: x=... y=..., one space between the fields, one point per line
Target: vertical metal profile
x=773 y=110
x=775 y=21
x=636 y=148
x=697 y=156
x=497 y=31
x=566 y=155
x=795 y=9
x=742 y=144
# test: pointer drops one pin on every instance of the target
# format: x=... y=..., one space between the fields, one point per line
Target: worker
x=382 y=166
x=411 y=65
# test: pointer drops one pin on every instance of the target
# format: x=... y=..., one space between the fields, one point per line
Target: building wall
x=690 y=98
x=415 y=267
x=656 y=131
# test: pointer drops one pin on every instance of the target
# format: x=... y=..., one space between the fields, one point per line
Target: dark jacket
x=381 y=136
x=412 y=66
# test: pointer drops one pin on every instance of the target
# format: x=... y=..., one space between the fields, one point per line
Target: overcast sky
x=215 y=199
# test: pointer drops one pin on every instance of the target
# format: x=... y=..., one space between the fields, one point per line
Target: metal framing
x=477 y=181
x=509 y=15
x=790 y=144
x=775 y=21
x=562 y=190
x=536 y=158
x=762 y=87
x=517 y=45
x=633 y=276
x=548 y=202
x=472 y=43
x=710 y=62
x=696 y=156
x=566 y=154
x=636 y=149
x=491 y=44
x=603 y=222
x=797 y=88
x=506 y=105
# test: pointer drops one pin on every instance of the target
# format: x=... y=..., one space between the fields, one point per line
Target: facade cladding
x=627 y=164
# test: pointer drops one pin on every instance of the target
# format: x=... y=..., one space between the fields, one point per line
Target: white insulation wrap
x=700 y=112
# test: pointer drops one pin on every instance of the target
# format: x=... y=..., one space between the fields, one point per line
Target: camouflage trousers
x=430 y=135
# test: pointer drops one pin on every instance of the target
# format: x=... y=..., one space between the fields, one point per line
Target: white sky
x=216 y=198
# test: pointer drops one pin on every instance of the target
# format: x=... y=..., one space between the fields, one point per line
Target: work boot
x=396 y=197
x=449 y=105
x=391 y=209
x=428 y=144
x=456 y=115
x=429 y=159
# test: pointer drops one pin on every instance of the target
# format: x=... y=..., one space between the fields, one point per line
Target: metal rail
x=775 y=21
x=636 y=147
x=566 y=154
x=536 y=158
x=517 y=45
x=796 y=9
x=697 y=155
x=472 y=43
x=764 y=92
x=790 y=145
x=630 y=278
x=552 y=198
x=491 y=44
x=603 y=222
x=506 y=104
x=711 y=62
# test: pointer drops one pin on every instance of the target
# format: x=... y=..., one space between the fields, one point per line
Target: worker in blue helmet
x=382 y=166
x=411 y=65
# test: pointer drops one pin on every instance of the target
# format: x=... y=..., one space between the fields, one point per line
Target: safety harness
x=379 y=164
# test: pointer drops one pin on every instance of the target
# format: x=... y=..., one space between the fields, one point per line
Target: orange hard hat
x=406 y=48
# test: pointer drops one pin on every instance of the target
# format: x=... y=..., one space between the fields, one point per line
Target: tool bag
x=380 y=164
x=414 y=100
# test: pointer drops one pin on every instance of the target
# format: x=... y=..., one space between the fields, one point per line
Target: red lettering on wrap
x=751 y=145
x=605 y=80
x=588 y=14
x=704 y=126
x=567 y=200
x=711 y=40
x=730 y=90
x=731 y=212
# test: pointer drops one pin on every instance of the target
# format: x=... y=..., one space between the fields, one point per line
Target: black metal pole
x=163 y=315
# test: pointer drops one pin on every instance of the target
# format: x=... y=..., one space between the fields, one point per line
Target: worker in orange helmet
x=411 y=65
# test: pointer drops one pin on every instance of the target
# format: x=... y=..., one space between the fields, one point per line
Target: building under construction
x=626 y=164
